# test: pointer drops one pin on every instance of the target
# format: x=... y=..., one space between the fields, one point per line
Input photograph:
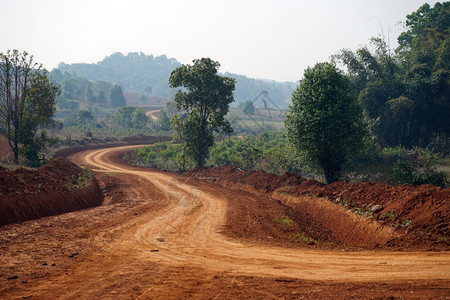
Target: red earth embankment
x=57 y=187
x=358 y=214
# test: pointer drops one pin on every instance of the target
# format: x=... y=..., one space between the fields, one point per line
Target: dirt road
x=163 y=239
x=153 y=114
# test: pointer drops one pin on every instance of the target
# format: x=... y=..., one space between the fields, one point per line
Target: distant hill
x=148 y=74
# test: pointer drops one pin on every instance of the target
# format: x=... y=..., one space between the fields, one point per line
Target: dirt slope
x=163 y=236
x=57 y=187
x=359 y=214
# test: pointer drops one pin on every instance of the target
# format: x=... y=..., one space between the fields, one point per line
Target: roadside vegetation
x=374 y=114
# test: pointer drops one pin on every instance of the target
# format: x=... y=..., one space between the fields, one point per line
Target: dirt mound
x=247 y=180
x=420 y=213
x=60 y=168
x=363 y=214
x=58 y=187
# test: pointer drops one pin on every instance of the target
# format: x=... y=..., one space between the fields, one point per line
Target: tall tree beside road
x=325 y=122
x=27 y=102
x=206 y=101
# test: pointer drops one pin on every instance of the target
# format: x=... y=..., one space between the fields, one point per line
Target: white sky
x=271 y=39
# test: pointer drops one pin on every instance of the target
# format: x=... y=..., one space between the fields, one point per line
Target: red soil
x=54 y=188
x=357 y=214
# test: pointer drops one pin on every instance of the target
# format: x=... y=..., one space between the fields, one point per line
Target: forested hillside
x=148 y=74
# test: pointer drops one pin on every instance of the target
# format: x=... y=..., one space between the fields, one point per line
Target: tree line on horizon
x=351 y=107
x=380 y=99
x=147 y=75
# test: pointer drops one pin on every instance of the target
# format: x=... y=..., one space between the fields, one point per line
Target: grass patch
x=387 y=215
x=83 y=180
x=403 y=223
x=300 y=238
x=283 y=221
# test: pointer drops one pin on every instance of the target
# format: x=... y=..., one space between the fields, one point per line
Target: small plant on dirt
x=300 y=238
x=387 y=215
x=442 y=238
x=284 y=220
x=346 y=202
x=365 y=212
x=403 y=223
x=82 y=180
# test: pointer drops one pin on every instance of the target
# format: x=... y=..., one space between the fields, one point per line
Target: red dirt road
x=162 y=236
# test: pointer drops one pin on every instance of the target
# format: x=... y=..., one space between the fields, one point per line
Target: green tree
x=248 y=107
x=424 y=51
x=206 y=102
x=84 y=118
x=67 y=104
x=325 y=121
x=116 y=96
x=101 y=98
x=27 y=100
x=163 y=121
x=130 y=117
x=405 y=96
x=139 y=119
x=89 y=95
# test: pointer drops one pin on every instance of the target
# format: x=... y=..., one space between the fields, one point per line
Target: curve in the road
x=190 y=227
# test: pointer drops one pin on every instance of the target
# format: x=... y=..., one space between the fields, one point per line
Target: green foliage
x=27 y=100
x=416 y=168
x=65 y=104
x=395 y=165
x=300 y=238
x=325 y=122
x=237 y=152
x=116 y=97
x=283 y=221
x=163 y=121
x=405 y=96
x=89 y=95
x=83 y=180
x=387 y=215
x=268 y=152
x=248 y=107
x=101 y=98
x=130 y=117
x=160 y=155
x=148 y=74
x=84 y=118
x=32 y=149
x=206 y=102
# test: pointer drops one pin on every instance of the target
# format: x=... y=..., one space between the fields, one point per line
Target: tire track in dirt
x=190 y=227
x=173 y=247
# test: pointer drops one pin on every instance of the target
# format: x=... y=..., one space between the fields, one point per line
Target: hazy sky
x=271 y=39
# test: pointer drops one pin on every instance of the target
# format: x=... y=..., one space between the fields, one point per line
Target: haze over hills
x=141 y=73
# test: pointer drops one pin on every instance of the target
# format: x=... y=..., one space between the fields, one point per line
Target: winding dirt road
x=169 y=244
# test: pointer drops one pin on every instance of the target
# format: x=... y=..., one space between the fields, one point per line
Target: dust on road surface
x=170 y=245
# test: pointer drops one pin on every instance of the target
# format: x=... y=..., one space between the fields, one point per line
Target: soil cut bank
x=162 y=236
x=360 y=214
x=57 y=187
